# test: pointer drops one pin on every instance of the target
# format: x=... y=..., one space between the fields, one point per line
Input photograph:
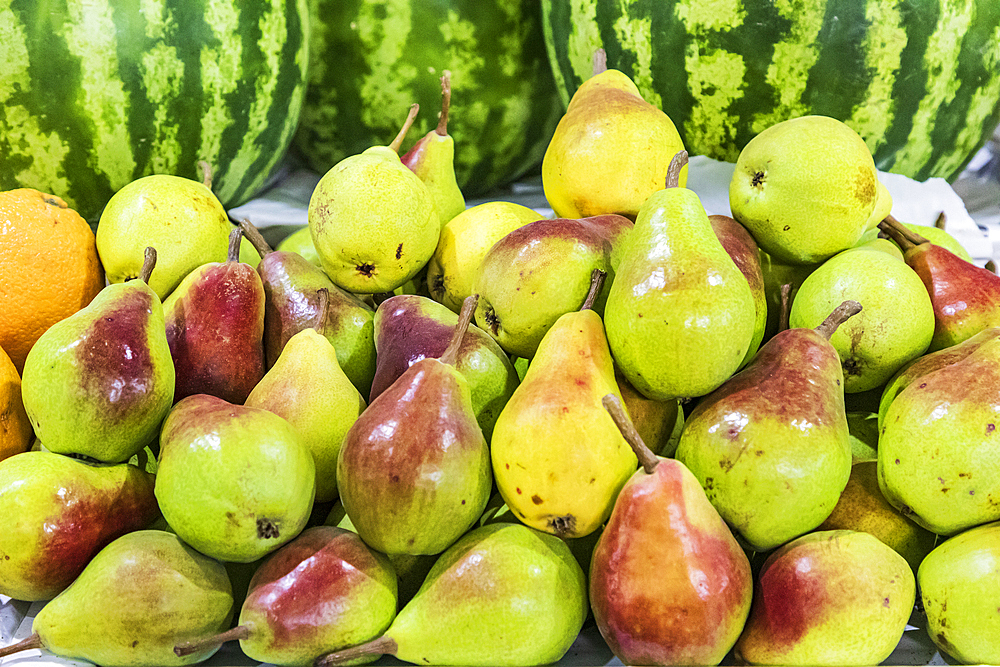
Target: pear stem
x=450 y=355
x=323 y=294
x=381 y=646
x=840 y=314
x=941 y=221
x=28 y=643
x=148 y=264
x=254 y=237
x=206 y=173
x=187 y=648
x=678 y=162
x=647 y=459
x=900 y=233
x=410 y=117
x=235 y=238
x=442 y=127
x=597 y=277
x=600 y=61
x=786 y=306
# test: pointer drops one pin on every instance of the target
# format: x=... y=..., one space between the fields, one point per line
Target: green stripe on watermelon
x=919 y=79
x=371 y=59
x=98 y=93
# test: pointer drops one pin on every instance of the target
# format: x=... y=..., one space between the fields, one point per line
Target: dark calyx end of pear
x=27 y=644
x=206 y=173
x=647 y=459
x=678 y=162
x=840 y=314
x=442 y=127
x=323 y=294
x=901 y=234
x=786 y=306
x=235 y=237
x=382 y=297
x=450 y=355
x=254 y=237
x=267 y=529
x=410 y=117
x=148 y=264
x=597 y=277
x=380 y=646
x=600 y=61
x=240 y=632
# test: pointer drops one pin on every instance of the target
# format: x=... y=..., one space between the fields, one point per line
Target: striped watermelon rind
x=918 y=79
x=371 y=59
x=97 y=93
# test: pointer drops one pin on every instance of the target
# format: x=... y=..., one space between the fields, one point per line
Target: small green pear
x=299 y=241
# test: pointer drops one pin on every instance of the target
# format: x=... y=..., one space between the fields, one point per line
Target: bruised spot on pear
x=866 y=186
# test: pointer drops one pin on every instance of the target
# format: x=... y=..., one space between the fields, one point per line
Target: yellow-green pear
x=299 y=241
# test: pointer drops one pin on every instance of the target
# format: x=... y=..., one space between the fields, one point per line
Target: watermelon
x=918 y=79
x=371 y=59
x=96 y=93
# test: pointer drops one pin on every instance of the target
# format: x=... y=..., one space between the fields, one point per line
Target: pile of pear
x=457 y=435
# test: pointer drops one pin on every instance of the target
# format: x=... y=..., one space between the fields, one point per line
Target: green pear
x=883 y=207
x=504 y=594
x=862 y=507
x=659 y=423
x=234 y=482
x=677 y=293
x=179 y=217
x=805 y=188
x=307 y=387
x=770 y=446
x=100 y=382
x=299 y=241
x=432 y=158
x=776 y=275
x=373 y=221
x=464 y=242
x=59 y=512
x=896 y=323
x=939 y=236
x=863 y=429
x=138 y=597
x=938 y=444
x=834 y=597
x=960 y=590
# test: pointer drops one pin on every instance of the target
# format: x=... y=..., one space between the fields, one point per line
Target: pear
x=862 y=507
x=896 y=323
x=938 y=235
x=610 y=151
x=558 y=458
x=966 y=298
x=180 y=217
x=770 y=446
x=291 y=303
x=323 y=591
x=939 y=440
x=234 y=482
x=307 y=387
x=465 y=240
x=836 y=597
x=373 y=221
x=540 y=271
x=137 y=598
x=648 y=604
x=215 y=328
x=863 y=429
x=300 y=241
x=414 y=469
x=100 y=382
x=659 y=423
x=59 y=512
x=883 y=207
x=776 y=275
x=432 y=158
x=799 y=209
x=504 y=594
x=740 y=245
x=960 y=591
x=677 y=292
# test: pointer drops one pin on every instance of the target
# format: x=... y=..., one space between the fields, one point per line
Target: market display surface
x=666 y=410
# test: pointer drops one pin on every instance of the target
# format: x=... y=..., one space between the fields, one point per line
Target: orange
x=49 y=267
x=15 y=429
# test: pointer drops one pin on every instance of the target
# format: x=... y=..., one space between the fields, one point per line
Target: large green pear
x=677 y=294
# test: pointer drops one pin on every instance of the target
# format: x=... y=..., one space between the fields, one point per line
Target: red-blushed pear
x=745 y=253
x=669 y=584
x=414 y=470
x=432 y=158
x=323 y=591
x=215 y=328
x=292 y=303
x=834 y=597
x=966 y=298
x=58 y=513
